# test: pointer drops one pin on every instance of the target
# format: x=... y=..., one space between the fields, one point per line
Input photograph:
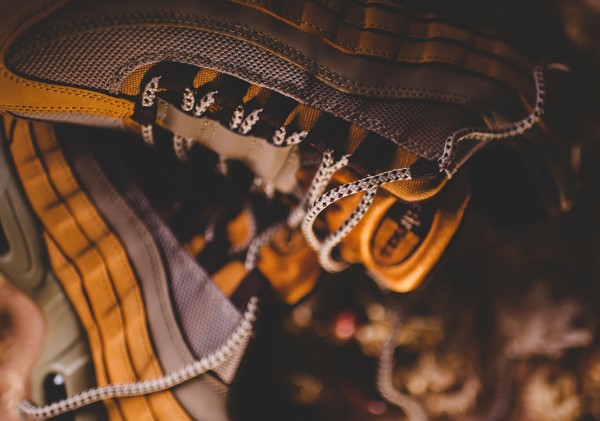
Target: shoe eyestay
x=174 y=80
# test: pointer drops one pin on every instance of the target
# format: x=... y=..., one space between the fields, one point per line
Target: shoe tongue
x=400 y=243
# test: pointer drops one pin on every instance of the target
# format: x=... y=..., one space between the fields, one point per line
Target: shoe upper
x=234 y=147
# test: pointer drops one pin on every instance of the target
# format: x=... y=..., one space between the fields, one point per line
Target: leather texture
x=474 y=79
x=199 y=401
x=92 y=265
x=388 y=32
x=22 y=95
x=290 y=265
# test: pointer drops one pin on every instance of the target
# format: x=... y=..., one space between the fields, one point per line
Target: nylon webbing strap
x=252 y=285
x=276 y=110
x=174 y=79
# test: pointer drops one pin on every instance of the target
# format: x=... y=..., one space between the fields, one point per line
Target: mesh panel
x=206 y=316
x=103 y=57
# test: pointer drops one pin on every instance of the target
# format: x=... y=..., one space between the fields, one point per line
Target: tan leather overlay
x=21 y=95
x=107 y=283
x=416 y=256
x=238 y=229
x=229 y=277
x=72 y=283
x=384 y=33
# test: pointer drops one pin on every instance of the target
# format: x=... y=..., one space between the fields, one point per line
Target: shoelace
x=316 y=200
x=321 y=179
x=240 y=122
x=512 y=130
x=145 y=387
x=148 y=99
x=385 y=368
x=304 y=215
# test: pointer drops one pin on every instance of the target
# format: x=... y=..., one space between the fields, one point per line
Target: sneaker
x=266 y=143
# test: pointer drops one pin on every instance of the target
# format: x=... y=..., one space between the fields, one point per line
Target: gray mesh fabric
x=206 y=316
x=99 y=53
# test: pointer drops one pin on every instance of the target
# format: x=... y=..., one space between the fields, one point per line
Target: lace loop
x=148 y=99
x=517 y=128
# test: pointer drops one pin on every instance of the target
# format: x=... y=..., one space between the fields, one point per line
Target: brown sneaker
x=229 y=103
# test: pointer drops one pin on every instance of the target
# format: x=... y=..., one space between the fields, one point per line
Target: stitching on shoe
x=249 y=34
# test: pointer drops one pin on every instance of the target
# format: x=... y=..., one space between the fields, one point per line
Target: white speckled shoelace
x=316 y=201
x=370 y=184
x=145 y=387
